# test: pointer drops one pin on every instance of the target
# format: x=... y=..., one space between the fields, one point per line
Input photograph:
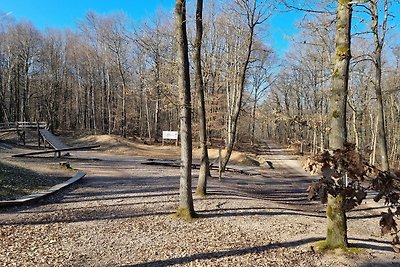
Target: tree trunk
x=336 y=217
x=336 y=235
x=157 y=130
x=123 y=114
x=379 y=41
x=381 y=131
x=185 y=209
x=338 y=96
x=253 y=117
x=204 y=172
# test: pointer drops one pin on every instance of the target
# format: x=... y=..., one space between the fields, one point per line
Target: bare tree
x=254 y=13
x=204 y=161
x=185 y=209
x=379 y=40
x=261 y=79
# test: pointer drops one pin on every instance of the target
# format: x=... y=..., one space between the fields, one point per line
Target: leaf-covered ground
x=16 y=181
x=118 y=215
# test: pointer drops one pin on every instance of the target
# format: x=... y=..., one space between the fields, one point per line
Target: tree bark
x=336 y=216
x=185 y=209
x=379 y=41
x=338 y=96
x=204 y=161
x=336 y=235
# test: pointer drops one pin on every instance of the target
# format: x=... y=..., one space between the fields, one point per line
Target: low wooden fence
x=22 y=125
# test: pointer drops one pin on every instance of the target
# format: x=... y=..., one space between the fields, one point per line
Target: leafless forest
x=111 y=75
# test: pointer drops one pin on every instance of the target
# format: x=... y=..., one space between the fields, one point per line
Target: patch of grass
x=16 y=182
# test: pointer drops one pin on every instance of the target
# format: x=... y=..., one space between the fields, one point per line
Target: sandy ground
x=118 y=216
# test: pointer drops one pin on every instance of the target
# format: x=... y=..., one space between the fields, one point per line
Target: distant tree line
x=111 y=76
x=297 y=105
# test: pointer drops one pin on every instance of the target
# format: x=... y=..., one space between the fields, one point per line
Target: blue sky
x=62 y=14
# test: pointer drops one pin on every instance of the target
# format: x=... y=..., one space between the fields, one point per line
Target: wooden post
x=16 y=126
x=38 y=133
x=23 y=137
x=219 y=164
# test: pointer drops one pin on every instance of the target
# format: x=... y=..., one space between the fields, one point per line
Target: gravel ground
x=118 y=216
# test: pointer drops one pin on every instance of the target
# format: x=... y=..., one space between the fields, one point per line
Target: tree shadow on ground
x=395 y=263
x=239 y=212
x=261 y=249
x=371 y=244
x=223 y=254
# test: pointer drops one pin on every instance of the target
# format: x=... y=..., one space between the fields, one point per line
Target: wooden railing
x=23 y=124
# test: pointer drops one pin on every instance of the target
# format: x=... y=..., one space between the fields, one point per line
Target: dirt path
x=118 y=216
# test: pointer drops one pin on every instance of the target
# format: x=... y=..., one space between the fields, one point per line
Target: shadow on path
x=223 y=254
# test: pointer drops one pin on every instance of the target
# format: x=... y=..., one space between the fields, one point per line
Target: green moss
x=329 y=211
x=322 y=246
x=336 y=73
x=335 y=114
x=185 y=214
x=344 y=2
x=336 y=234
x=342 y=52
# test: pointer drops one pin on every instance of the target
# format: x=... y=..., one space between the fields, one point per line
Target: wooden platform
x=52 y=140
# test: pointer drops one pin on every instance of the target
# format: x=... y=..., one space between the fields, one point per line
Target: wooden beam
x=55 y=150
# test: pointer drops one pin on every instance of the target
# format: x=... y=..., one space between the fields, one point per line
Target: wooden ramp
x=56 y=143
x=52 y=140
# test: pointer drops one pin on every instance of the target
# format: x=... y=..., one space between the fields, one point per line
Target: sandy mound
x=118 y=145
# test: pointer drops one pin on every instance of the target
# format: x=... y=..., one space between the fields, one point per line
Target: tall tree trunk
x=253 y=117
x=379 y=42
x=204 y=163
x=336 y=217
x=338 y=96
x=157 y=130
x=148 y=118
x=123 y=114
x=109 y=103
x=186 y=208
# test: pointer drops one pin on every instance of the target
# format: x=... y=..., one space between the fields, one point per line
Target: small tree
x=346 y=176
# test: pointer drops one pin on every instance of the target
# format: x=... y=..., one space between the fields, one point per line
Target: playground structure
x=20 y=128
x=44 y=136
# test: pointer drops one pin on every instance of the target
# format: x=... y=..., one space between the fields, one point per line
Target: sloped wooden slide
x=56 y=143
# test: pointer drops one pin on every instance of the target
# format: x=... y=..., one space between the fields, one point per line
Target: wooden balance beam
x=55 y=151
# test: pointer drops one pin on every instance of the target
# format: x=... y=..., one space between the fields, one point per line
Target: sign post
x=170 y=135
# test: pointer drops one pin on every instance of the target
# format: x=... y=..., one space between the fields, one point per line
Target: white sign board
x=170 y=135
